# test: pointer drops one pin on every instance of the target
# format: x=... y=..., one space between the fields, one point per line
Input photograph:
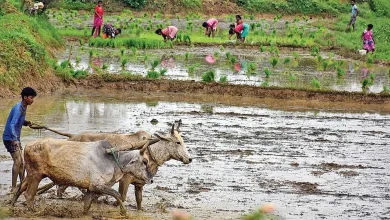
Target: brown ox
x=83 y=165
x=171 y=147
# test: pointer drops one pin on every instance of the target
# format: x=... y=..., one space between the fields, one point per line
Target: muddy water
x=297 y=73
x=311 y=163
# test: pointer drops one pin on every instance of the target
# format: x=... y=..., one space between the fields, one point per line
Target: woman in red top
x=97 y=19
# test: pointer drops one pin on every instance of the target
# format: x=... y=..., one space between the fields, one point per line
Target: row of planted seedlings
x=328 y=65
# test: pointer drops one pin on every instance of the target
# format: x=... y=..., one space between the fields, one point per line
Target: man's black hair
x=119 y=30
x=100 y=2
x=204 y=24
x=158 y=31
x=28 y=91
x=370 y=26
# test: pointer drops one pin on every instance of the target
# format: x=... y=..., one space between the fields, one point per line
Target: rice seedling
x=208 y=76
x=191 y=68
x=186 y=56
x=386 y=90
x=370 y=59
x=122 y=51
x=153 y=75
x=65 y=64
x=265 y=84
x=319 y=58
x=133 y=51
x=252 y=68
x=340 y=72
x=163 y=72
x=154 y=64
x=267 y=72
x=228 y=55
x=124 y=61
x=315 y=51
x=287 y=60
x=91 y=53
x=78 y=59
x=105 y=66
x=315 y=83
x=216 y=54
x=262 y=48
x=233 y=59
x=325 y=64
x=291 y=77
x=223 y=79
x=79 y=74
x=274 y=61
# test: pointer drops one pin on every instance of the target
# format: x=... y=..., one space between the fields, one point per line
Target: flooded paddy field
x=312 y=163
x=240 y=66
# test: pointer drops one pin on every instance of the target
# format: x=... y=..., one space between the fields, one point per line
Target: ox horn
x=173 y=129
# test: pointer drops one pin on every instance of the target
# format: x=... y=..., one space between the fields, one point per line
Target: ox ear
x=178 y=125
x=173 y=129
x=162 y=138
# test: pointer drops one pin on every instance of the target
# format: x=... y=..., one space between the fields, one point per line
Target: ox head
x=175 y=144
x=137 y=166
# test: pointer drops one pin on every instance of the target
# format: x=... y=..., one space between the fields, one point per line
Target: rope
x=116 y=159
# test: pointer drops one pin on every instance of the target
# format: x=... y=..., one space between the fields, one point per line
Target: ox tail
x=60 y=133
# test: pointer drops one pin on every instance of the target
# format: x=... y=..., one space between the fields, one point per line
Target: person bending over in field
x=109 y=31
x=211 y=27
x=368 y=39
x=168 y=33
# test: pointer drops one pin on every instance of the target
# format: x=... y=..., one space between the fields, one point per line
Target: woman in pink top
x=211 y=26
x=368 y=39
x=97 y=19
x=168 y=33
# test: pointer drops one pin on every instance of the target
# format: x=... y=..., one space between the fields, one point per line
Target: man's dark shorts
x=11 y=148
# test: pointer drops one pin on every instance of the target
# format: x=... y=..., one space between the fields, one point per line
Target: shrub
x=136 y=4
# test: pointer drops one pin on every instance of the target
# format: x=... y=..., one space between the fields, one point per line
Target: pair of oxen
x=94 y=162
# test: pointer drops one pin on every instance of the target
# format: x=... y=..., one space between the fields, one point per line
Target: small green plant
x=252 y=68
x=216 y=54
x=325 y=64
x=223 y=79
x=315 y=51
x=291 y=77
x=267 y=72
x=340 y=72
x=262 y=48
x=315 y=83
x=274 y=61
x=265 y=84
x=124 y=61
x=154 y=64
x=208 y=76
x=65 y=64
x=105 y=66
x=78 y=59
x=122 y=51
x=186 y=56
x=233 y=59
x=287 y=60
x=153 y=75
x=134 y=51
x=386 y=90
x=91 y=53
x=228 y=55
x=163 y=72
x=191 y=68
x=370 y=59
x=295 y=55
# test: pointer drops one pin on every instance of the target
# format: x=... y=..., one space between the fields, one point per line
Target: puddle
x=311 y=163
x=296 y=73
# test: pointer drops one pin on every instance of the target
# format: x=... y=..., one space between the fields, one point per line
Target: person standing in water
x=12 y=131
x=97 y=19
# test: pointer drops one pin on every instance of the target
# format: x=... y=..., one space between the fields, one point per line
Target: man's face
x=29 y=99
x=352 y=3
x=100 y=4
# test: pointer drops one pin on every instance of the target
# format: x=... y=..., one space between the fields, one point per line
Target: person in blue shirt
x=355 y=12
x=12 y=130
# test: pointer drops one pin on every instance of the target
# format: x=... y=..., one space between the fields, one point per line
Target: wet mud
x=312 y=163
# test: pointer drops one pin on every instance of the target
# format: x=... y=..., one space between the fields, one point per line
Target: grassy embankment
x=27 y=45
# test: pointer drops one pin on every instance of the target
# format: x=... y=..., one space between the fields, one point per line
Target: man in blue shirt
x=12 y=130
x=355 y=12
